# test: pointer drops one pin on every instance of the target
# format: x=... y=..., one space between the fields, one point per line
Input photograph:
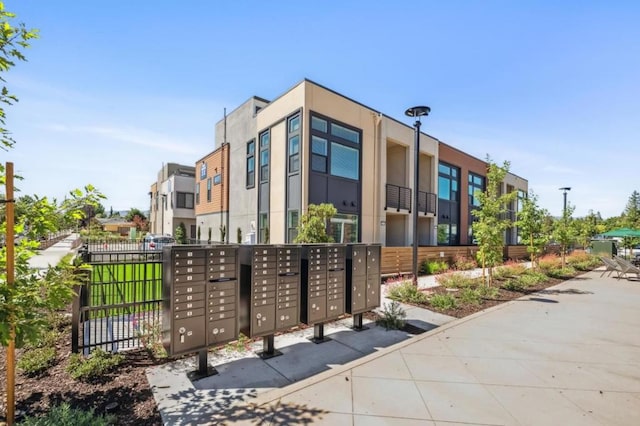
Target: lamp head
x=565 y=188
x=417 y=111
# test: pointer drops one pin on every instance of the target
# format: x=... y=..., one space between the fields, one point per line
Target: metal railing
x=120 y=301
x=427 y=202
x=398 y=197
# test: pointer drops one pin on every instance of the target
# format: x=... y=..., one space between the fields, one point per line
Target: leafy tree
x=14 y=38
x=181 y=233
x=565 y=232
x=313 y=224
x=199 y=233
x=141 y=223
x=531 y=225
x=134 y=212
x=492 y=220
x=209 y=236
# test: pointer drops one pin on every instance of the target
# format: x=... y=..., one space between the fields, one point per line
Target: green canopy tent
x=622 y=233
x=630 y=238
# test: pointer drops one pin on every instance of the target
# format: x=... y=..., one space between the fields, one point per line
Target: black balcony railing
x=426 y=202
x=398 y=197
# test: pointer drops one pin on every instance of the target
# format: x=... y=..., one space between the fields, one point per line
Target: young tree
x=565 y=232
x=491 y=221
x=239 y=235
x=313 y=224
x=181 y=233
x=531 y=221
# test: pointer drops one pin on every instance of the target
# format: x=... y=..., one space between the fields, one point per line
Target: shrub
x=404 y=291
x=507 y=270
x=443 y=301
x=514 y=284
x=432 y=267
x=549 y=262
x=38 y=360
x=47 y=339
x=583 y=261
x=392 y=316
x=456 y=280
x=151 y=338
x=98 y=363
x=559 y=272
x=65 y=415
x=464 y=263
x=486 y=292
x=532 y=277
x=470 y=296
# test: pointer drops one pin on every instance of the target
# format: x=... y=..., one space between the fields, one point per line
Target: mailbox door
x=188 y=335
x=222 y=331
x=263 y=320
x=373 y=293
x=358 y=294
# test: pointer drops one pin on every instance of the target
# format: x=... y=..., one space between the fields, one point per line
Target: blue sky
x=112 y=90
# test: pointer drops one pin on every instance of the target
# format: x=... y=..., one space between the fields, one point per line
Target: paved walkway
x=569 y=355
x=52 y=255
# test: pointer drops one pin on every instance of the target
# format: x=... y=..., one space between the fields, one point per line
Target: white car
x=156 y=242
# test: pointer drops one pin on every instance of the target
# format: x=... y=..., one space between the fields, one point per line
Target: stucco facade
x=172 y=200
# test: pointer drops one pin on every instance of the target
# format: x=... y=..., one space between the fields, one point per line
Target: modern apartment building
x=172 y=200
x=313 y=145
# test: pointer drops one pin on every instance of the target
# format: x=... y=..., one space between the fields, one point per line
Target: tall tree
x=531 y=224
x=492 y=219
x=631 y=214
x=135 y=212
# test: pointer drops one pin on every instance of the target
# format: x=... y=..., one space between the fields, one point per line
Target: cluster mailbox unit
x=269 y=292
x=323 y=286
x=363 y=277
x=212 y=293
x=200 y=299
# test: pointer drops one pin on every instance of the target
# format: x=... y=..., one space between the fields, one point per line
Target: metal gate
x=119 y=305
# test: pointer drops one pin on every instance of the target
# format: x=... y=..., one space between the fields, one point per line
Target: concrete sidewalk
x=52 y=255
x=567 y=355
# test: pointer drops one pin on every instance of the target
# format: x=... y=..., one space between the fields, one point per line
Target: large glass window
x=344 y=161
x=251 y=164
x=198 y=193
x=217 y=179
x=336 y=153
x=344 y=228
x=447 y=182
x=476 y=184
x=263 y=224
x=208 y=189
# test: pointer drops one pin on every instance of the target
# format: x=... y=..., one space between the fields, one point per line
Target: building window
x=263 y=224
x=184 y=200
x=319 y=153
x=293 y=148
x=344 y=228
x=203 y=171
x=209 y=190
x=251 y=164
x=336 y=153
x=264 y=157
x=292 y=225
x=319 y=124
x=447 y=182
x=476 y=184
x=198 y=193
x=217 y=179
x=344 y=161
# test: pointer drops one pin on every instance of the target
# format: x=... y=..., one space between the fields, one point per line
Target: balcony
x=427 y=202
x=398 y=197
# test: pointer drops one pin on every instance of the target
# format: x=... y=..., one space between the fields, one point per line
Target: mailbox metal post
x=269 y=292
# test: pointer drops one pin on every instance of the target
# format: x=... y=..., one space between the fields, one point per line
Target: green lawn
x=125 y=284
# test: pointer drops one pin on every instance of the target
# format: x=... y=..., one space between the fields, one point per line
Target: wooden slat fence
x=398 y=260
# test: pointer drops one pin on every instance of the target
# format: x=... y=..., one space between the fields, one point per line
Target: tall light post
x=565 y=189
x=417 y=111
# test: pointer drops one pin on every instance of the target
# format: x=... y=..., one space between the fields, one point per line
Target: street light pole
x=417 y=112
x=565 y=189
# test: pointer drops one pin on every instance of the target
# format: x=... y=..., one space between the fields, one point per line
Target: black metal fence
x=120 y=303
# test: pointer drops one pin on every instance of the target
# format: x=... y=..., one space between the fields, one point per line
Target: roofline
x=474 y=157
x=211 y=153
x=258 y=98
